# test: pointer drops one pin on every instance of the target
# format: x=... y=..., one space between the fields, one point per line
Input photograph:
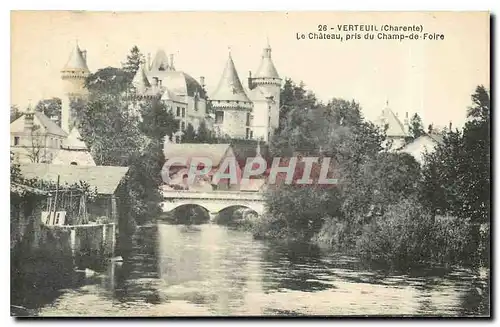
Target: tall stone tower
x=267 y=105
x=73 y=76
x=231 y=104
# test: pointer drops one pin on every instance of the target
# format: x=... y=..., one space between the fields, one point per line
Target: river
x=210 y=270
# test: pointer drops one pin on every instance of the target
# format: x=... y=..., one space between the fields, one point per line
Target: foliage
x=119 y=138
x=110 y=81
x=189 y=135
x=203 y=134
x=457 y=173
x=134 y=61
x=51 y=108
x=306 y=209
x=15 y=113
x=416 y=126
x=401 y=237
x=408 y=235
x=294 y=96
x=385 y=204
x=157 y=120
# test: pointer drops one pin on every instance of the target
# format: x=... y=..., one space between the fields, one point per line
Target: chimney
x=202 y=81
x=450 y=125
x=172 y=67
x=250 y=82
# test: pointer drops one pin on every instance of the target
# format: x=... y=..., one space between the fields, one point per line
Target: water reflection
x=209 y=270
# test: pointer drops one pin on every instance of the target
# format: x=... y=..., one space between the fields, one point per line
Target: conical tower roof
x=140 y=81
x=230 y=87
x=76 y=60
x=266 y=68
x=394 y=126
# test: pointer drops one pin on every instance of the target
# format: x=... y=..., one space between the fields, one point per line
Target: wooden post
x=55 y=199
x=73 y=245
x=114 y=216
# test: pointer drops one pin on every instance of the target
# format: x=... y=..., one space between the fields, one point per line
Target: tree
x=157 y=120
x=50 y=108
x=15 y=113
x=203 y=134
x=189 y=135
x=416 y=126
x=36 y=149
x=294 y=96
x=134 y=61
x=457 y=173
x=111 y=81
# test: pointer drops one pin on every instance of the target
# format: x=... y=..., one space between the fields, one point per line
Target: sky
x=433 y=78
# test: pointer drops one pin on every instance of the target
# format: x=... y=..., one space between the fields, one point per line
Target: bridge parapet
x=215 y=195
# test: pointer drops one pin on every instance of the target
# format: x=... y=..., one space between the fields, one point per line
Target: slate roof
x=395 y=127
x=40 y=119
x=104 y=178
x=230 y=87
x=76 y=60
x=266 y=68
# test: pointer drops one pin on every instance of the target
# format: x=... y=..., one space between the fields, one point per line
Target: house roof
x=395 y=127
x=47 y=125
x=103 y=178
x=230 y=87
x=68 y=156
x=215 y=152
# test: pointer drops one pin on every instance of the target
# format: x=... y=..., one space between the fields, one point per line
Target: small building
x=34 y=137
x=396 y=132
x=105 y=180
x=74 y=151
x=421 y=145
x=216 y=153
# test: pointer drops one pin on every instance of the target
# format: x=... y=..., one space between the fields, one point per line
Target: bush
x=296 y=213
x=408 y=235
x=401 y=237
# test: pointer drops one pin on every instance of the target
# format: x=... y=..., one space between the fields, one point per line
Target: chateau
x=248 y=111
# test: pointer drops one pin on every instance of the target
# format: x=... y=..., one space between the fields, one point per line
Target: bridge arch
x=234 y=214
x=190 y=213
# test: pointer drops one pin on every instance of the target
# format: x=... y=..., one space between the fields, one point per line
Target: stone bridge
x=214 y=202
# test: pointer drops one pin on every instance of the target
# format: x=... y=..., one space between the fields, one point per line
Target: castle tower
x=268 y=81
x=73 y=76
x=231 y=104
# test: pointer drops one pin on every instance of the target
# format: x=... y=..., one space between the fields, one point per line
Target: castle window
x=248 y=135
x=219 y=117
x=178 y=112
x=183 y=112
x=16 y=140
x=183 y=126
x=248 y=119
x=73 y=163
